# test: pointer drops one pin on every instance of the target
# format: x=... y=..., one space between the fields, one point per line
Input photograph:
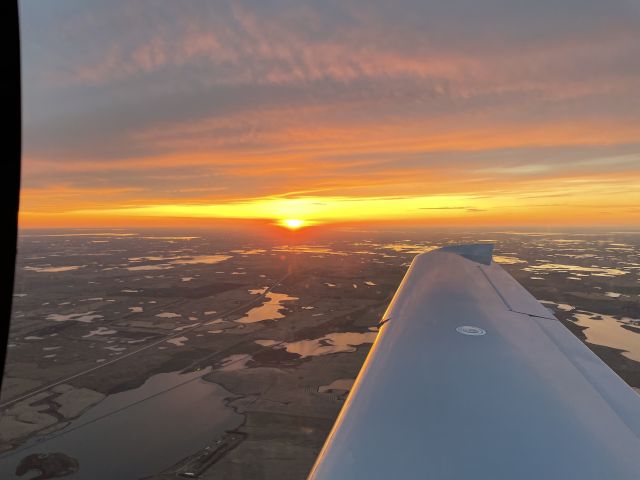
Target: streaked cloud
x=181 y=103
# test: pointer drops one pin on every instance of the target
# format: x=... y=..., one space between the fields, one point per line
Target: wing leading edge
x=471 y=377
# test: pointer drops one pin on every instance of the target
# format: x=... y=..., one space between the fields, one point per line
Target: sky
x=457 y=112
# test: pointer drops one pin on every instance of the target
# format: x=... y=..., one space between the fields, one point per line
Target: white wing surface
x=472 y=378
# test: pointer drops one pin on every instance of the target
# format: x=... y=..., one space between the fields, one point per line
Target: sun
x=292 y=223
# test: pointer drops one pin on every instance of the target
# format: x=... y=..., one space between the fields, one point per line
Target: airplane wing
x=470 y=377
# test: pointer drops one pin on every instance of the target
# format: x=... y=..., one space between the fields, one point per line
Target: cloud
x=230 y=100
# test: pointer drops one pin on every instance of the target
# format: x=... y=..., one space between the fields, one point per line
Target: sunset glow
x=292 y=223
x=408 y=112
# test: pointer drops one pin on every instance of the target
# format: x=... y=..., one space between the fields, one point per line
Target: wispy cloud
x=171 y=101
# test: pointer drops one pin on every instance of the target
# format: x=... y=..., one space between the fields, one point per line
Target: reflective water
x=141 y=431
x=341 y=384
x=331 y=343
x=607 y=330
x=593 y=270
x=234 y=362
x=54 y=269
x=270 y=310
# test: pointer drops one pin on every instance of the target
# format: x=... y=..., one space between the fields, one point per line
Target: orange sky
x=466 y=113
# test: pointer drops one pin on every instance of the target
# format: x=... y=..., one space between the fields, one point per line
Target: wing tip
x=476 y=252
